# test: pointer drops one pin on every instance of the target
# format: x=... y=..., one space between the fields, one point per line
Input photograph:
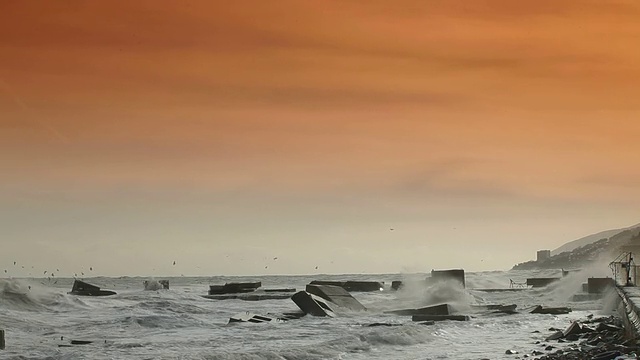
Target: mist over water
x=179 y=323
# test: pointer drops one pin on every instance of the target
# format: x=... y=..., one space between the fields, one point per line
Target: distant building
x=543 y=255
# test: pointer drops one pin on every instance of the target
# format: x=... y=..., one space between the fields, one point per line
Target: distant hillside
x=590 y=239
x=626 y=240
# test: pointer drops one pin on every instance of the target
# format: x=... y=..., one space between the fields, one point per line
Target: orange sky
x=254 y=129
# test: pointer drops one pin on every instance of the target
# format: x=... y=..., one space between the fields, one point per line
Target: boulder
x=574 y=329
x=555 y=336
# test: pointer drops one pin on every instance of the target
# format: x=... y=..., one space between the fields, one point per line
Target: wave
x=18 y=294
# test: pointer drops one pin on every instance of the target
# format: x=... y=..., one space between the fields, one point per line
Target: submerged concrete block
x=540 y=282
x=586 y=297
x=252 y=296
x=440 y=317
x=444 y=275
x=550 y=310
x=442 y=309
x=234 y=288
x=253 y=318
x=396 y=285
x=336 y=295
x=84 y=289
x=2 y=343
x=155 y=285
x=350 y=285
x=312 y=304
x=599 y=285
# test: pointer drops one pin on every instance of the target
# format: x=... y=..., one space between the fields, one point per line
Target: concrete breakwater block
x=442 y=309
x=550 y=310
x=396 y=285
x=253 y=318
x=336 y=295
x=280 y=290
x=440 y=317
x=501 y=289
x=312 y=304
x=586 y=297
x=154 y=285
x=252 y=296
x=599 y=285
x=84 y=289
x=234 y=287
x=362 y=286
x=541 y=282
x=446 y=275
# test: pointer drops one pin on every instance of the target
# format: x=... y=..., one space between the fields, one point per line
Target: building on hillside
x=543 y=255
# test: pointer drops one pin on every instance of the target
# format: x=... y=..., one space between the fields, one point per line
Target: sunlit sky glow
x=223 y=134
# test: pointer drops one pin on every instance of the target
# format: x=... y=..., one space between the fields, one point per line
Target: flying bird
x=174 y=262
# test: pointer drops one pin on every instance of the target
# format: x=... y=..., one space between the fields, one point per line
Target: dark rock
x=336 y=295
x=549 y=348
x=442 y=309
x=84 y=289
x=313 y=305
x=608 y=355
x=572 y=337
x=510 y=352
x=555 y=336
x=440 y=317
x=574 y=329
x=607 y=327
x=536 y=353
x=382 y=324
x=396 y=285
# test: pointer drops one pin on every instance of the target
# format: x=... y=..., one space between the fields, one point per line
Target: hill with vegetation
x=608 y=248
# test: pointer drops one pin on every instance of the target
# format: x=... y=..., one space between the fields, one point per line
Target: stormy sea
x=42 y=321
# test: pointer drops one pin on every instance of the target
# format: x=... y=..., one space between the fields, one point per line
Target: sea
x=40 y=319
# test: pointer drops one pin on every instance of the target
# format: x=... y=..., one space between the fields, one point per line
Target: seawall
x=629 y=308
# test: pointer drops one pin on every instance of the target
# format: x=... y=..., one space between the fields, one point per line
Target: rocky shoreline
x=594 y=338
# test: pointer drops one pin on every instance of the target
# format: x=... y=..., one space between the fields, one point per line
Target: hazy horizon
x=313 y=137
